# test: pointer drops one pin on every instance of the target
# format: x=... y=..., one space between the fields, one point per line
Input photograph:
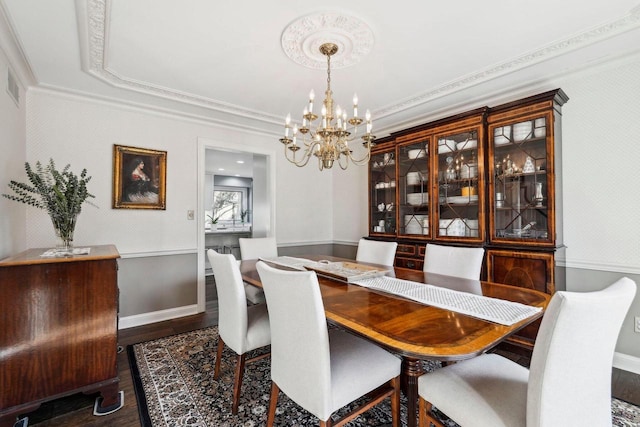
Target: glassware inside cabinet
x=521 y=182
x=413 y=178
x=458 y=214
x=383 y=192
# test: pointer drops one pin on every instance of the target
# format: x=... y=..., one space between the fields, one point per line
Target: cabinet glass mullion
x=382 y=212
x=458 y=190
x=413 y=185
x=521 y=192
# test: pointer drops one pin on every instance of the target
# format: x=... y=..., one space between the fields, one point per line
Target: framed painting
x=139 y=178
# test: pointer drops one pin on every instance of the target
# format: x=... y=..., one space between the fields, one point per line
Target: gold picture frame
x=139 y=178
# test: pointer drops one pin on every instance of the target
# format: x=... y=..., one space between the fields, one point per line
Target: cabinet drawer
x=422 y=250
x=404 y=249
x=411 y=263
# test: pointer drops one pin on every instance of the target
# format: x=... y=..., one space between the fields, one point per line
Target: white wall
x=351 y=200
x=304 y=202
x=13 y=148
x=260 y=216
x=81 y=131
x=601 y=165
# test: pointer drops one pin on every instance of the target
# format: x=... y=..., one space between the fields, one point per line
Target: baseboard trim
x=157 y=316
x=626 y=362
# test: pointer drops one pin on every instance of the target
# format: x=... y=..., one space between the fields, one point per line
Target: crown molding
x=12 y=47
x=94 y=24
x=628 y=22
x=175 y=114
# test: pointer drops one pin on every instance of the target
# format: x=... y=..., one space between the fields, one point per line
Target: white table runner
x=492 y=309
x=288 y=261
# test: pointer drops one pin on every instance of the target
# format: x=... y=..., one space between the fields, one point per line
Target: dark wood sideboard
x=58 y=329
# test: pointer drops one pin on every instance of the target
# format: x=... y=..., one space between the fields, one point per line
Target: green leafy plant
x=244 y=215
x=213 y=220
x=60 y=193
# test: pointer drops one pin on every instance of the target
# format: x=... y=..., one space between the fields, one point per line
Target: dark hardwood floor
x=77 y=410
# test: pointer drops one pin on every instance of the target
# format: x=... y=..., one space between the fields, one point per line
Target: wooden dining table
x=413 y=330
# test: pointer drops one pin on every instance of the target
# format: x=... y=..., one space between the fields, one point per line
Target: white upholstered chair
x=453 y=261
x=376 y=252
x=321 y=370
x=568 y=383
x=254 y=248
x=240 y=327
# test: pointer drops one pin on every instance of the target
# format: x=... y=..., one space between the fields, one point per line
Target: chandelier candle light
x=329 y=141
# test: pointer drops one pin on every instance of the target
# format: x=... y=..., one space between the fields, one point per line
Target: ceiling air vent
x=12 y=87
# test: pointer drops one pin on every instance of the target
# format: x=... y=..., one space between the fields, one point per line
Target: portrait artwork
x=139 y=178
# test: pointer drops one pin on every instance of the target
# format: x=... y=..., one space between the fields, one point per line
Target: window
x=227 y=205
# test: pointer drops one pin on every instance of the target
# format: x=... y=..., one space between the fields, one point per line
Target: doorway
x=254 y=164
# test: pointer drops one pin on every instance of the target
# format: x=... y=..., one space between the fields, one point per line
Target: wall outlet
x=190 y=215
x=637 y=324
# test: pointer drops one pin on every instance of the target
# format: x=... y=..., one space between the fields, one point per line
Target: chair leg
x=273 y=403
x=216 y=371
x=395 y=402
x=238 y=383
x=422 y=413
x=426 y=418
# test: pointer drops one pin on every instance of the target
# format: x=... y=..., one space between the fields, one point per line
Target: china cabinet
x=488 y=178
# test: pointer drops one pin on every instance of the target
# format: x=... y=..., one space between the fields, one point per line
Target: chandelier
x=329 y=138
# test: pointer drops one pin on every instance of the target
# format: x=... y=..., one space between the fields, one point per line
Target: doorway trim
x=211 y=144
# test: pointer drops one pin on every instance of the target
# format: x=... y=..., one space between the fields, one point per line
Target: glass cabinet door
x=519 y=162
x=460 y=187
x=382 y=192
x=413 y=189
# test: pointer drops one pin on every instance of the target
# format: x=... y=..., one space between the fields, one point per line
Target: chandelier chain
x=328 y=73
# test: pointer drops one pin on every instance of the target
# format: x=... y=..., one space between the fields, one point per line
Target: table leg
x=411 y=370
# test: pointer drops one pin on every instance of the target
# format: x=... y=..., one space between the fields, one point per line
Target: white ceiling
x=224 y=61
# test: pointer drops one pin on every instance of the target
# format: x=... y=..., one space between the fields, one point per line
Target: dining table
x=413 y=330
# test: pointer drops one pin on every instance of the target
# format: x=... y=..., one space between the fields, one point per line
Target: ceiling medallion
x=301 y=40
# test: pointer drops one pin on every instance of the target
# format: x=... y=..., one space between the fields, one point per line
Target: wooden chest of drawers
x=59 y=331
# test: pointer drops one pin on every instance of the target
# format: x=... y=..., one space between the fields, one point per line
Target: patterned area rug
x=173 y=379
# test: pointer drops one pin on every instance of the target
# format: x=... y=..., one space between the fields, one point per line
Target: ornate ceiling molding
x=301 y=40
x=98 y=17
x=628 y=22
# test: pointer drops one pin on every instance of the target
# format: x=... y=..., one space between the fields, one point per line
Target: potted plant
x=60 y=193
x=213 y=221
x=244 y=215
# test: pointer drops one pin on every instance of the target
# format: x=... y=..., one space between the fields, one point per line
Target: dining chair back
x=254 y=248
x=321 y=370
x=240 y=327
x=453 y=261
x=376 y=252
x=569 y=380
x=570 y=371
